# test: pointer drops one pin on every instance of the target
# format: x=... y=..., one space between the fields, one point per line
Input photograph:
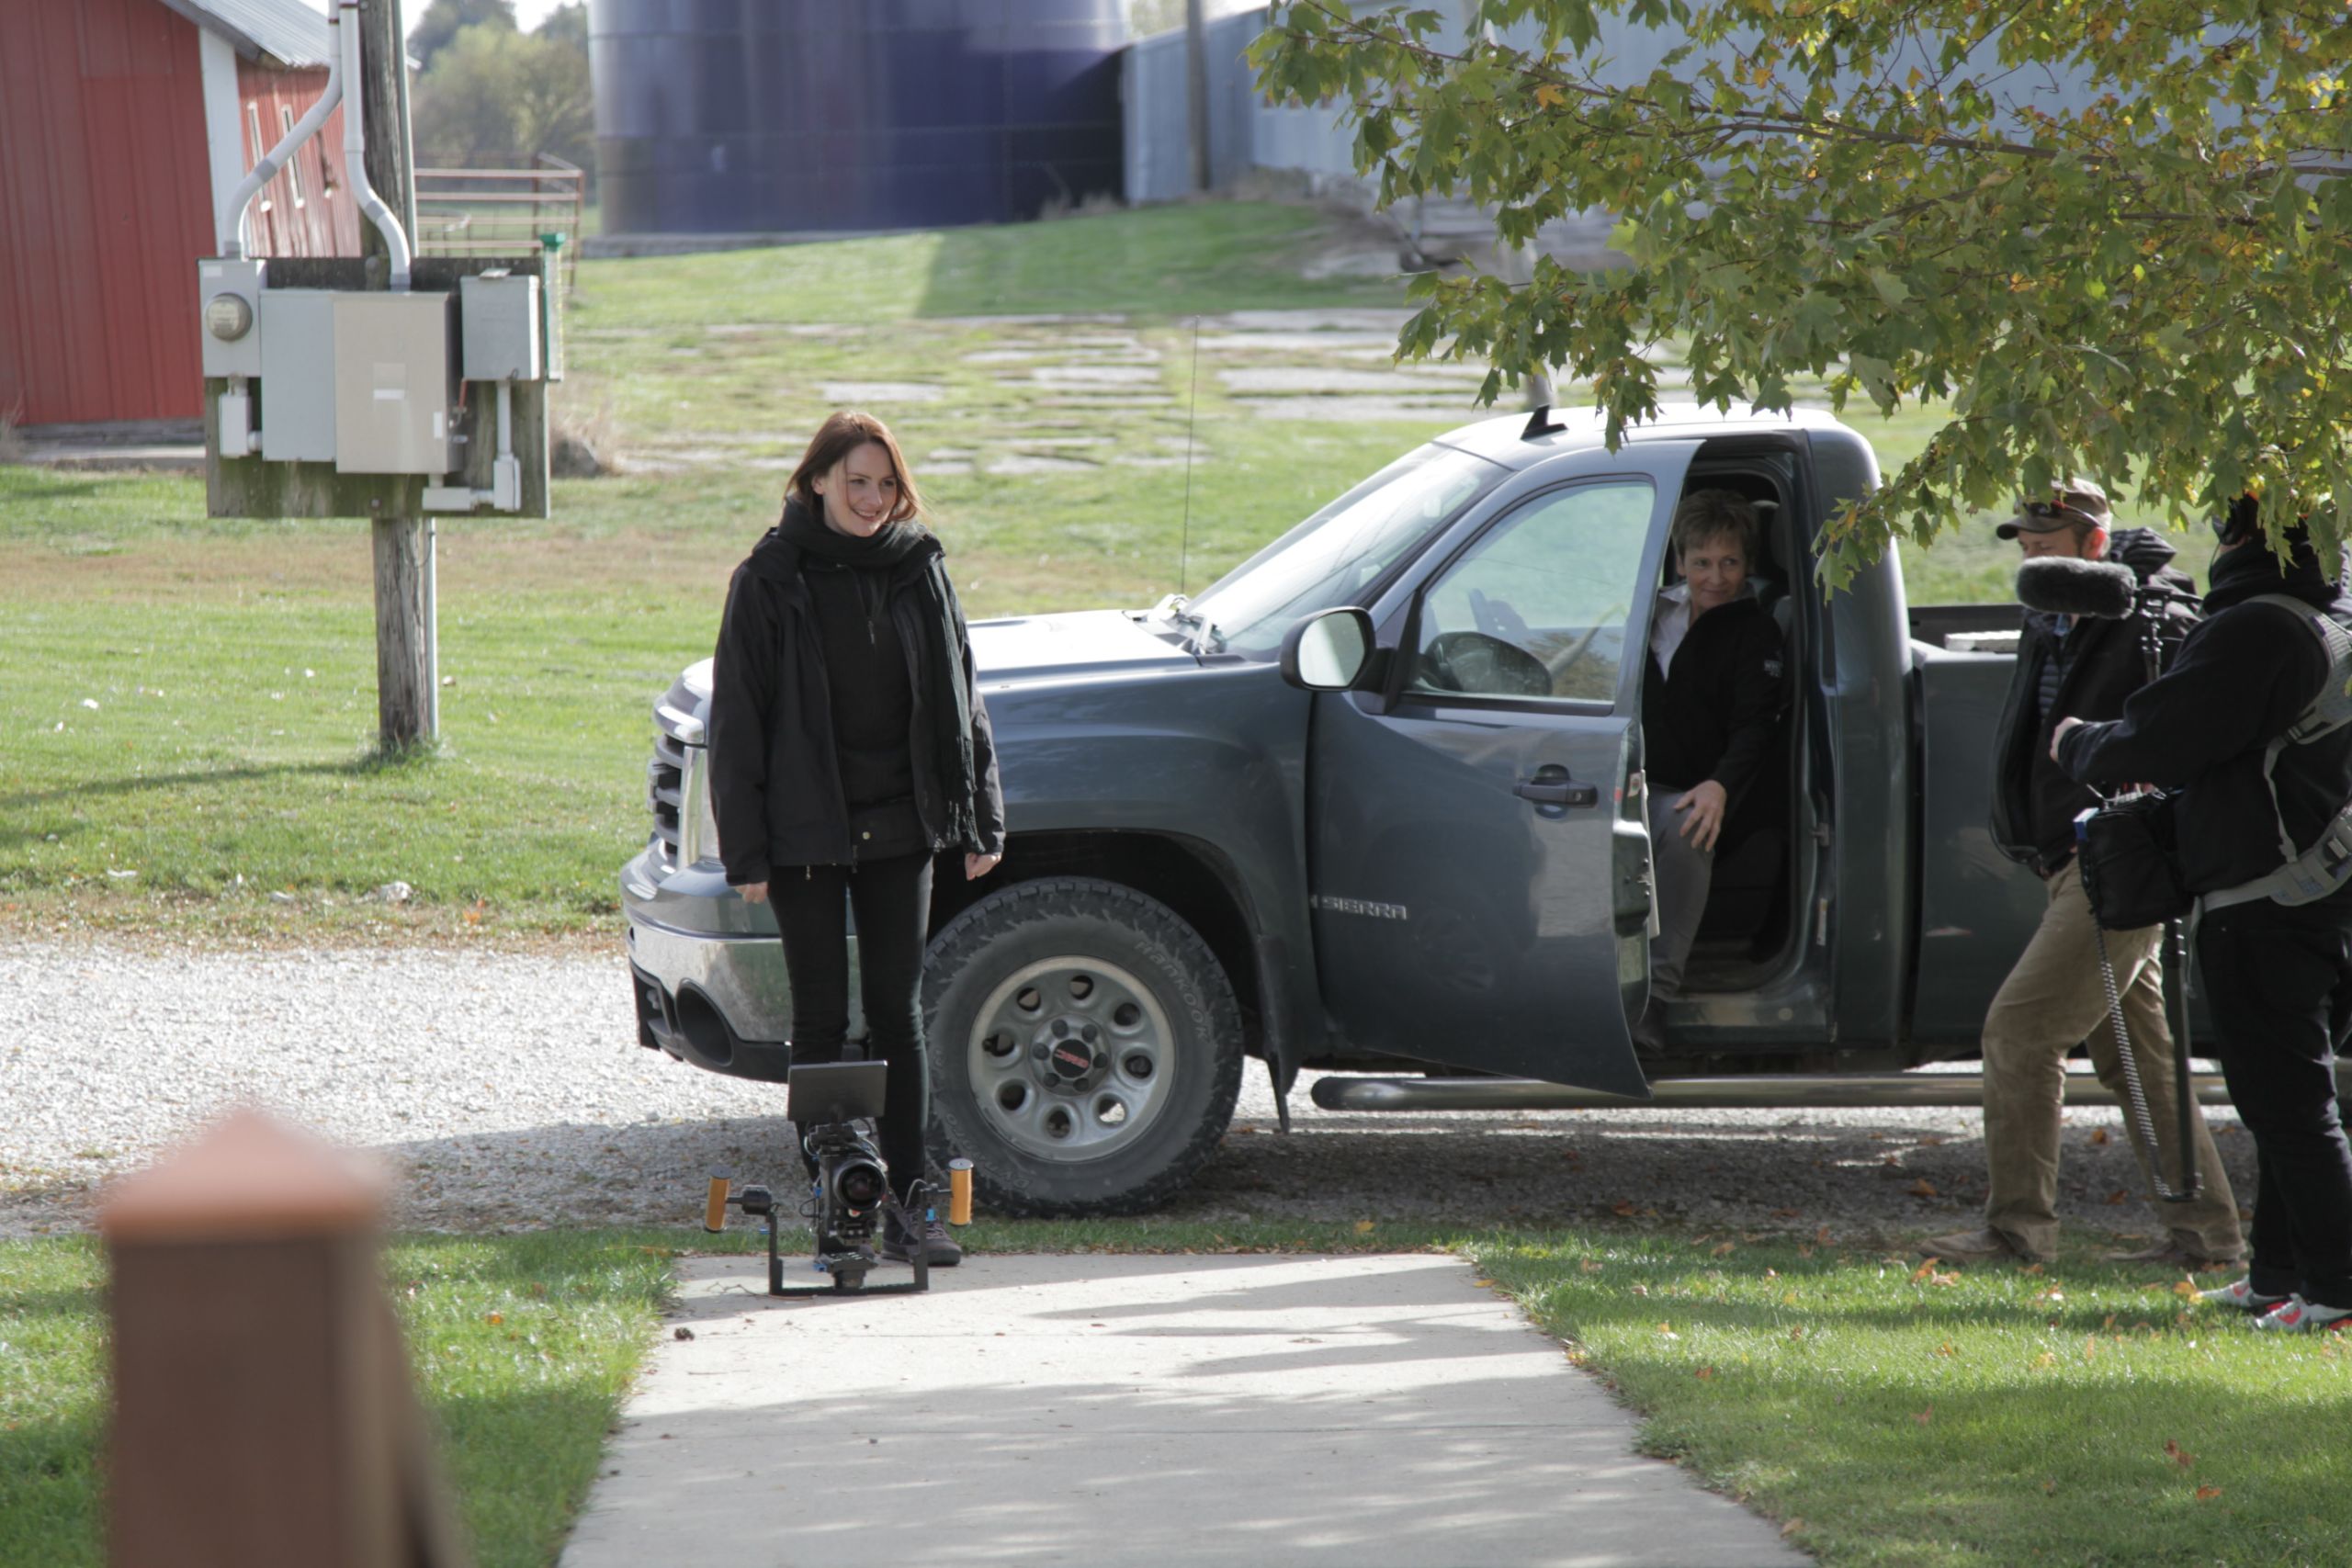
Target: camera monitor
x=834 y=1091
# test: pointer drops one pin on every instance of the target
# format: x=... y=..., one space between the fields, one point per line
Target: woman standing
x=1711 y=696
x=848 y=748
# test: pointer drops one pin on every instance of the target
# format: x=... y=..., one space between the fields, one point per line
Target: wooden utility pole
x=408 y=674
x=1196 y=88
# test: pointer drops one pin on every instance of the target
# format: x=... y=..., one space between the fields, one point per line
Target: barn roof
x=279 y=33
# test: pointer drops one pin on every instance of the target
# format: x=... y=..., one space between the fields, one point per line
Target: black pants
x=2279 y=981
x=891 y=901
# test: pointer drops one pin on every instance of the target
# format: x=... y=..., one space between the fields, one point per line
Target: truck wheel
x=1085 y=1047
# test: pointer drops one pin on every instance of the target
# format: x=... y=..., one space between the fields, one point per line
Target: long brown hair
x=844 y=431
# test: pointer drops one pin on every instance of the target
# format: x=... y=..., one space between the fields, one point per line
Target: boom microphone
x=2063 y=585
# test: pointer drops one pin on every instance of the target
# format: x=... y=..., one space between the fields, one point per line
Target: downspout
x=354 y=158
x=241 y=200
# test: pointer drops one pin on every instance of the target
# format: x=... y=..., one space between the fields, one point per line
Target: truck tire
x=1085 y=1048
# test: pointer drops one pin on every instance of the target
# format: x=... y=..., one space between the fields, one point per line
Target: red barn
x=124 y=127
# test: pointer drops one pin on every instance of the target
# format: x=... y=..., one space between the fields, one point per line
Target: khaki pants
x=2053 y=1000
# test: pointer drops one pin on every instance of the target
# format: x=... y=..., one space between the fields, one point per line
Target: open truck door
x=1479 y=864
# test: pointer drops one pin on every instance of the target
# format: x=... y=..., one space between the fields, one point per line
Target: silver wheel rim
x=1070 y=1059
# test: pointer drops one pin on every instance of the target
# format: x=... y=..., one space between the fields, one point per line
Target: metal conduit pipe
x=355 y=159
x=239 y=213
x=1766 y=1091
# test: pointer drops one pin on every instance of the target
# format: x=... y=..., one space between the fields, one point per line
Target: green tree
x=495 y=96
x=444 y=20
x=2107 y=236
x=566 y=24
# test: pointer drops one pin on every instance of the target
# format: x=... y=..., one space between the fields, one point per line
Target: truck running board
x=1758 y=1092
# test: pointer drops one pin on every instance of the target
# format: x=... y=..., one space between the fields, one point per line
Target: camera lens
x=858 y=1184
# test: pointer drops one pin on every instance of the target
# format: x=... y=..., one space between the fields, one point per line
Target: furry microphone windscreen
x=2062 y=585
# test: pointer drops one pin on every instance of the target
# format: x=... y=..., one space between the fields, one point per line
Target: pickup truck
x=1373 y=805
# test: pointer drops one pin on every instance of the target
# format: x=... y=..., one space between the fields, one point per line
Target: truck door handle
x=1553 y=787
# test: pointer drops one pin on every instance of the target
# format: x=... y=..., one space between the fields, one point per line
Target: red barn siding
x=104 y=200
x=106 y=203
x=326 y=221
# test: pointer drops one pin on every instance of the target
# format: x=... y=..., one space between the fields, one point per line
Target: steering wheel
x=1486 y=666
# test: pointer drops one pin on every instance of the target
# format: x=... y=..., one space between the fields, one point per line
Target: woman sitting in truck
x=1711 y=699
x=848 y=745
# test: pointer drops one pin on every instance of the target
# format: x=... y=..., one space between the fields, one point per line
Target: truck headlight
x=697 y=822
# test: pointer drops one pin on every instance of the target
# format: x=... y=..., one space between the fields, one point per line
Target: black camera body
x=833 y=1104
x=850 y=1186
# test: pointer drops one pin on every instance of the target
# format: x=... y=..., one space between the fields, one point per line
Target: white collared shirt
x=1670 y=624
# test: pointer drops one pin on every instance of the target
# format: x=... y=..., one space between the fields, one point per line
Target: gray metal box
x=498 y=318
x=394 y=377
x=221 y=286
x=298 y=374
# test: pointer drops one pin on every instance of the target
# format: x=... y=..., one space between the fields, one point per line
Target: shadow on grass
x=365 y=764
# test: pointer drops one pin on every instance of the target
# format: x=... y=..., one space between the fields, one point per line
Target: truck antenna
x=1192 y=417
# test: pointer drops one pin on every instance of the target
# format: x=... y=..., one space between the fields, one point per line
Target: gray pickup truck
x=1373 y=805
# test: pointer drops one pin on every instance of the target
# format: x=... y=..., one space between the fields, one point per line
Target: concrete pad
x=1265 y=1411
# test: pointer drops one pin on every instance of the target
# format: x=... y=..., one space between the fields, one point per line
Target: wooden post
x=263 y=1413
x=408 y=666
x=1196 y=88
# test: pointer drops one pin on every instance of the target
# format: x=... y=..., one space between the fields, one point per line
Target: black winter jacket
x=1717 y=714
x=775 y=778
x=2034 y=800
x=2242 y=677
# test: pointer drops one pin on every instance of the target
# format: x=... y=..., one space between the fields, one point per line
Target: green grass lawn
x=1884 y=1413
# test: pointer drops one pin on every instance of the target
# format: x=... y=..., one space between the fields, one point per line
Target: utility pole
x=1196 y=88
x=408 y=682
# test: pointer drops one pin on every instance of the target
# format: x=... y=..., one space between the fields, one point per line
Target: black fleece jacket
x=2242 y=677
x=776 y=775
x=1716 y=714
x=2034 y=800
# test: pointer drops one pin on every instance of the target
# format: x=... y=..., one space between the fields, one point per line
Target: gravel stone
x=508 y=1090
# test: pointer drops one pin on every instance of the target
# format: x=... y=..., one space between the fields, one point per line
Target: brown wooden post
x=263 y=1413
x=408 y=663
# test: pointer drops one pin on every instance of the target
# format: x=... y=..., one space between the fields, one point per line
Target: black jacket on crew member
x=776 y=775
x=1716 y=715
x=2242 y=677
x=2099 y=663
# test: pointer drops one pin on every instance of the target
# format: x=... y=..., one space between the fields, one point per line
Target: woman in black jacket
x=1711 y=696
x=848 y=748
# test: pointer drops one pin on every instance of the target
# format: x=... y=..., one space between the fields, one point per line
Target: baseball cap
x=2074 y=504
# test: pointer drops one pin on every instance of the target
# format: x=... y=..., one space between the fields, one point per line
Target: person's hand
x=752 y=892
x=977 y=866
x=2059 y=734
x=1702 y=814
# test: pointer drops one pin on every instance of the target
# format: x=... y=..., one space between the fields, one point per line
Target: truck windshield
x=1334 y=556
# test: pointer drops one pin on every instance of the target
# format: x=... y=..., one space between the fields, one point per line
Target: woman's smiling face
x=861 y=492
x=1716 y=570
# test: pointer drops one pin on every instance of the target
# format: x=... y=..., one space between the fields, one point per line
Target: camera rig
x=832 y=1105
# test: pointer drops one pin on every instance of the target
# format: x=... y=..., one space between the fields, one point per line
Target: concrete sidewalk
x=1376 y=1412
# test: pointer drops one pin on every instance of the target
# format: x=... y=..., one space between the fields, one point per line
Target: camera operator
x=2277 y=977
x=2055 y=996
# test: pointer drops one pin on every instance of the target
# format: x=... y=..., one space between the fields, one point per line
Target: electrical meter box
x=394 y=383
x=298 y=374
x=498 y=318
x=228 y=305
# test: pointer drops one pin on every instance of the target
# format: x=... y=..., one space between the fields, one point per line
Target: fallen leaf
x=1791 y=1526
x=2050 y=1293
x=1665 y=1330
x=2178 y=1455
x=497 y=1317
x=2207 y=1494
x=1364 y=1227
x=1924 y=1417
x=681 y=1332
x=2090 y=1348
x=1591 y=1265
x=2030 y=1269
x=1820 y=1236
x=2050 y=1488
x=2046 y=1358
x=1798 y=1332
x=2109 y=1324
x=1925 y=1269
x=1623 y=1209
x=1922 y=1188
x=1803 y=1251
x=1704 y=1374
x=1483 y=1284
x=1947 y=1349
x=1786 y=1213
x=1946 y=1279
x=2184 y=1288
x=1721 y=1251
x=2118 y=1196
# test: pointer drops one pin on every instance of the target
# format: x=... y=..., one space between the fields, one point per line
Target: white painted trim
x=224 y=132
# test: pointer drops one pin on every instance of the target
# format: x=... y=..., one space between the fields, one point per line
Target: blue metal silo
x=732 y=116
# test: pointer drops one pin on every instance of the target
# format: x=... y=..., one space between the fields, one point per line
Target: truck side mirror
x=1327 y=652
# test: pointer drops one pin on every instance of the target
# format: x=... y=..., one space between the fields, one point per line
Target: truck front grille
x=665 y=771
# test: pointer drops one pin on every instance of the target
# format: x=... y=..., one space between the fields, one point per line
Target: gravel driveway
x=510 y=1092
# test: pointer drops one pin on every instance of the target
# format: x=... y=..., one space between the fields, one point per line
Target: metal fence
x=503 y=212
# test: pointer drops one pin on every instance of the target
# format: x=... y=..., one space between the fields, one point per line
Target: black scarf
x=942 y=689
